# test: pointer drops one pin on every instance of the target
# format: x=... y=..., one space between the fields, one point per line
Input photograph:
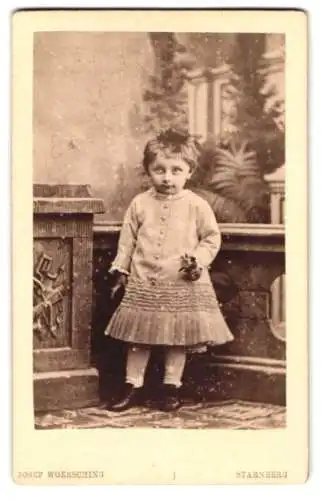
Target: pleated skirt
x=180 y=313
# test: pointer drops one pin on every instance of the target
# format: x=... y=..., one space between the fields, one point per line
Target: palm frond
x=238 y=160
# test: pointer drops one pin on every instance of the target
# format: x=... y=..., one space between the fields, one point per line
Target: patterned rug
x=232 y=414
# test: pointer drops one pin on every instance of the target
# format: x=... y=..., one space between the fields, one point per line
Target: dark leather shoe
x=171 y=400
x=129 y=399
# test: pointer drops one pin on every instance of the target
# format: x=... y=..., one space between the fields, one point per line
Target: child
x=169 y=238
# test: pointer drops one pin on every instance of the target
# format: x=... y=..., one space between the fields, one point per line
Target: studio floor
x=231 y=414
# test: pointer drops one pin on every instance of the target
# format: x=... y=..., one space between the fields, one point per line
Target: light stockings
x=138 y=358
x=175 y=360
x=137 y=361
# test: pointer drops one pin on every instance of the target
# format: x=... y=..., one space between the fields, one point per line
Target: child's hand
x=119 y=285
x=190 y=268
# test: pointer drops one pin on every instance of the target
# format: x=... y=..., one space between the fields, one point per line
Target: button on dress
x=160 y=306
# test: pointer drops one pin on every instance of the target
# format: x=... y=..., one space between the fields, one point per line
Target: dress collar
x=168 y=197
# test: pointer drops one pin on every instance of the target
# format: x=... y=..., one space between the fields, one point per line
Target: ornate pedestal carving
x=62 y=292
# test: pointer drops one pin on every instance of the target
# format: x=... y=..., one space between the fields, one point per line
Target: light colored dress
x=159 y=306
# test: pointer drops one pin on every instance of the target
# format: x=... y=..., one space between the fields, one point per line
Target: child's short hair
x=173 y=143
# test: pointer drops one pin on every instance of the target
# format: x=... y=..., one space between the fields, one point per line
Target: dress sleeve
x=127 y=241
x=208 y=233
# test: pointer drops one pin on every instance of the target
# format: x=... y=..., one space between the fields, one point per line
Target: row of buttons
x=157 y=256
x=163 y=218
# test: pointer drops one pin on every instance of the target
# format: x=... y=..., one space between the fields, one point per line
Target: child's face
x=169 y=175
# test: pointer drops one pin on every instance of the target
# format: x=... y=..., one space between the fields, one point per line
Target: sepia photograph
x=159 y=278
x=159 y=195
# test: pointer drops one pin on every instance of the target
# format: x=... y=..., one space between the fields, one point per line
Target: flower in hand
x=190 y=268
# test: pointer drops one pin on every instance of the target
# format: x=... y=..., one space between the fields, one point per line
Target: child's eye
x=176 y=170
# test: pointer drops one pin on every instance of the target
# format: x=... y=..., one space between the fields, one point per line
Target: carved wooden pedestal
x=62 y=291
